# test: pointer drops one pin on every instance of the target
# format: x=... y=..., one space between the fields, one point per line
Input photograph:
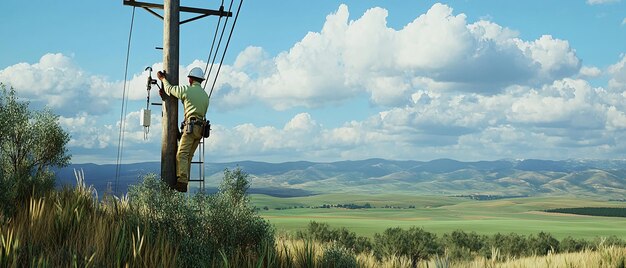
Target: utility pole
x=171 y=34
x=169 y=132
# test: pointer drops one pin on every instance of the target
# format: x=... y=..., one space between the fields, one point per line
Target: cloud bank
x=437 y=51
x=440 y=87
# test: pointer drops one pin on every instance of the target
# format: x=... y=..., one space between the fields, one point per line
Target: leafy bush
x=30 y=143
x=570 y=244
x=609 y=241
x=414 y=243
x=542 y=243
x=337 y=256
x=235 y=222
x=342 y=236
x=207 y=227
x=464 y=246
x=511 y=245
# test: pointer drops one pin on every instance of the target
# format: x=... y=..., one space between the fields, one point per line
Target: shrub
x=342 y=236
x=30 y=143
x=511 y=245
x=318 y=231
x=570 y=244
x=208 y=228
x=170 y=213
x=542 y=243
x=609 y=241
x=232 y=221
x=337 y=256
x=414 y=243
x=464 y=246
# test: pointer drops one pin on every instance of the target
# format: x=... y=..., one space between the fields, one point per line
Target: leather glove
x=160 y=75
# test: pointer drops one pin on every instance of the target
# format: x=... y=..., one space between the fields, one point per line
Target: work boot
x=181 y=187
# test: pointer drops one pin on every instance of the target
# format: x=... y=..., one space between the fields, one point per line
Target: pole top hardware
x=204 y=12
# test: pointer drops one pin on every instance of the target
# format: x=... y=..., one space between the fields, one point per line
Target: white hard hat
x=197 y=73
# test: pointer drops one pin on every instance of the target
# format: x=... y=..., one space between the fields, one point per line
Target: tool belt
x=193 y=122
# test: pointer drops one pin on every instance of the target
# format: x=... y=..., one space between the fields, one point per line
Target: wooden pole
x=171 y=33
x=170 y=104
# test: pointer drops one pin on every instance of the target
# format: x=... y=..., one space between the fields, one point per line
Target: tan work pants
x=186 y=148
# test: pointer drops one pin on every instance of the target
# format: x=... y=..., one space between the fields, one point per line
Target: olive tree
x=414 y=243
x=31 y=142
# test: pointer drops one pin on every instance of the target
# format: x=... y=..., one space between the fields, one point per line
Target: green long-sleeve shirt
x=194 y=98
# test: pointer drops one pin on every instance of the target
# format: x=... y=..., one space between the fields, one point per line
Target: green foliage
x=233 y=222
x=207 y=228
x=609 y=241
x=155 y=227
x=542 y=243
x=512 y=245
x=234 y=186
x=464 y=246
x=570 y=244
x=414 y=243
x=337 y=256
x=342 y=236
x=592 y=211
x=30 y=143
x=171 y=214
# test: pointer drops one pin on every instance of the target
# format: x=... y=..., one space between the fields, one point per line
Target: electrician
x=196 y=102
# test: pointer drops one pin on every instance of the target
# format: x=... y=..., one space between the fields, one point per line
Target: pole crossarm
x=203 y=11
x=152 y=12
x=171 y=34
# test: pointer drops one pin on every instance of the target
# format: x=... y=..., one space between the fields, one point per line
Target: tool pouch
x=206 y=131
x=182 y=129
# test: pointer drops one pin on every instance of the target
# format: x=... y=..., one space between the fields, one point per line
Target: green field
x=441 y=214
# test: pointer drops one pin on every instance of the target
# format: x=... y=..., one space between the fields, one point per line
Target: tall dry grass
x=71 y=228
x=302 y=253
x=611 y=256
x=306 y=253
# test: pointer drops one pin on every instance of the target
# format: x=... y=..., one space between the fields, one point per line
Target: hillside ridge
x=606 y=178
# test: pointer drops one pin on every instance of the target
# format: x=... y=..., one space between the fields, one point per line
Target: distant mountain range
x=604 y=178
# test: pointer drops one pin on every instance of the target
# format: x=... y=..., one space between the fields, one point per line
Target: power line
x=219 y=43
x=120 y=140
x=217 y=27
x=226 y=48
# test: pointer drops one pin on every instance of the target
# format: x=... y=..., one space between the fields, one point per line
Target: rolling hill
x=532 y=177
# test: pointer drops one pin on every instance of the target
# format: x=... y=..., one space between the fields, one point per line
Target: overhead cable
x=218 y=44
x=217 y=27
x=226 y=48
x=120 y=140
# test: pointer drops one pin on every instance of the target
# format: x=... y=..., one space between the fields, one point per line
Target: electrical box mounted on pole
x=171 y=22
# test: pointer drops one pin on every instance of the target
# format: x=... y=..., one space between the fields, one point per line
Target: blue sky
x=331 y=80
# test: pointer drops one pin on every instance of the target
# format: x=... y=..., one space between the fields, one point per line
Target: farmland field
x=441 y=214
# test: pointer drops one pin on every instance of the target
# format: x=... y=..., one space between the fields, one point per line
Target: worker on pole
x=196 y=102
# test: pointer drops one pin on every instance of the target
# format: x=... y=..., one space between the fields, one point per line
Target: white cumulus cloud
x=55 y=81
x=590 y=72
x=298 y=136
x=618 y=75
x=600 y=2
x=438 y=50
